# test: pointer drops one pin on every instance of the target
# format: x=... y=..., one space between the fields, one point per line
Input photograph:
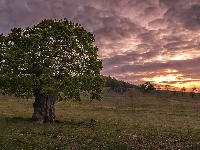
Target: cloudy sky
x=138 y=40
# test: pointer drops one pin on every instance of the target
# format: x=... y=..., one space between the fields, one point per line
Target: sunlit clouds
x=138 y=40
x=174 y=80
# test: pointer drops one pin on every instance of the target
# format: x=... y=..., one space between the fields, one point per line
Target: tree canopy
x=112 y=82
x=52 y=56
x=55 y=59
x=145 y=87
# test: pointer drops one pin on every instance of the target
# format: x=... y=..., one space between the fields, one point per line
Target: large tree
x=55 y=59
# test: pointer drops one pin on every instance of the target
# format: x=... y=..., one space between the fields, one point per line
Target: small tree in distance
x=146 y=87
x=183 y=89
x=52 y=60
x=167 y=87
x=194 y=89
x=193 y=92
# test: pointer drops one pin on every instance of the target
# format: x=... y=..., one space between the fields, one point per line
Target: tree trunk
x=44 y=110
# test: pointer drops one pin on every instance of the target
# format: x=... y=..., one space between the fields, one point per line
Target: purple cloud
x=136 y=39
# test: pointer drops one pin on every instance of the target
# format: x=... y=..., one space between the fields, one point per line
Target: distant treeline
x=112 y=82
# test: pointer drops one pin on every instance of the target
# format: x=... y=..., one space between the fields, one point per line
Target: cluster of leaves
x=51 y=57
x=146 y=87
x=112 y=82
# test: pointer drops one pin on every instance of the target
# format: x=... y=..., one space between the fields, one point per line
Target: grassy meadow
x=133 y=120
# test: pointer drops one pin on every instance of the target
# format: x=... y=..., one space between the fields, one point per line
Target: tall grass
x=133 y=120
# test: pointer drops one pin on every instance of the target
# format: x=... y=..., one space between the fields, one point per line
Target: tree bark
x=44 y=110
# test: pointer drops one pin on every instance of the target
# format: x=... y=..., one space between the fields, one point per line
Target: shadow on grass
x=17 y=120
x=86 y=124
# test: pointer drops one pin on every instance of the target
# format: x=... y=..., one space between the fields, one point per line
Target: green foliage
x=112 y=82
x=51 y=57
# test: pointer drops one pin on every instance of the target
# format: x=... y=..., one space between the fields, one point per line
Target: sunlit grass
x=133 y=120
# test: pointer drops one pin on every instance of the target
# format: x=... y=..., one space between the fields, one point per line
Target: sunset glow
x=138 y=41
x=182 y=57
x=175 y=80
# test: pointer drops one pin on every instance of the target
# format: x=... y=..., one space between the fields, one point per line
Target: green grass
x=134 y=120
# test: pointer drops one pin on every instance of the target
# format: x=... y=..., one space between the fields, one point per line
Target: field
x=133 y=120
